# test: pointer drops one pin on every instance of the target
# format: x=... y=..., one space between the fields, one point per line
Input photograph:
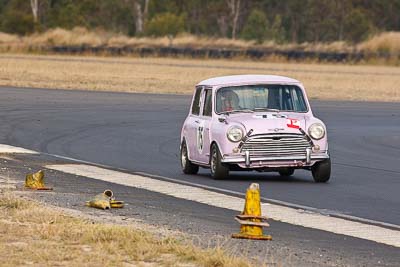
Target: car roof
x=246 y=79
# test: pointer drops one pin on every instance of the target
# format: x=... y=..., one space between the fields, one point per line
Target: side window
x=207 y=110
x=300 y=104
x=196 y=102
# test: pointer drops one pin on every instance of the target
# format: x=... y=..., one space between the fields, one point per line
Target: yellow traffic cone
x=36 y=181
x=101 y=201
x=251 y=220
x=104 y=201
x=116 y=204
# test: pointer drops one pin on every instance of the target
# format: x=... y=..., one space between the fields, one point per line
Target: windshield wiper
x=237 y=111
x=267 y=109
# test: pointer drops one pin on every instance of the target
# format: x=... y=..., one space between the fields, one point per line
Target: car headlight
x=235 y=134
x=316 y=131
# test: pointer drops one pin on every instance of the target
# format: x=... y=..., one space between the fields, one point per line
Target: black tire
x=321 y=171
x=187 y=166
x=286 y=172
x=218 y=171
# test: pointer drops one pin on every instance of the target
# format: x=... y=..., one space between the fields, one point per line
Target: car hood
x=264 y=123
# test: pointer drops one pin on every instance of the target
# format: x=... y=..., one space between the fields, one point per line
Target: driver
x=230 y=100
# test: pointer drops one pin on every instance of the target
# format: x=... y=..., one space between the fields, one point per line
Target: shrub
x=357 y=26
x=17 y=22
x=277 y=31
x=256 y=27
x=165 y=24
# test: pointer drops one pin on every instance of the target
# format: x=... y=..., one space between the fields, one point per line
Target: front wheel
x=187 y=166
x=218 y=171
x=321 y=171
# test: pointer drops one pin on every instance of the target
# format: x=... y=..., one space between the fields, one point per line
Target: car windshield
x=260 y=98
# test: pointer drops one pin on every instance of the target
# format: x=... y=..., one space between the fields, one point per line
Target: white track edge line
x=7 y=149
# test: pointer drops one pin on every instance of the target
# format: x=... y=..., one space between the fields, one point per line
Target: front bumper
x=244 y=160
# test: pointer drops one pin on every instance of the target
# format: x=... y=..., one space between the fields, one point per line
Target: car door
x=203 y=129
x=192 y=125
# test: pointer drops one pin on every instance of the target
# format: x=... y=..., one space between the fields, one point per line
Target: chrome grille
x=276 y=145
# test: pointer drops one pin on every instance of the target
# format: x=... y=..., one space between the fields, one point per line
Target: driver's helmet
x=230 y=100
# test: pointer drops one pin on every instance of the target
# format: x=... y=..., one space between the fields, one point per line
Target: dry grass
x=33 y=235
x=163 y=75
x=387 y=41
x=183 y=40
x=6 y=38
x=57 y=36
x=81 y=36
x=187 y=40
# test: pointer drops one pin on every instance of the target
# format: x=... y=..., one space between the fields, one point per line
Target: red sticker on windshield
x=293 y=123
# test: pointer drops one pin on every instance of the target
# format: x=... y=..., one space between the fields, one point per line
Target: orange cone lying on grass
x=250 y=219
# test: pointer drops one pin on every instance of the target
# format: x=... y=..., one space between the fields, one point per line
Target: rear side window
x=207 y=103
x=196 y=102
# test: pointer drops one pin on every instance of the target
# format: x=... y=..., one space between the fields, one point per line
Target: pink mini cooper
x=253 y=122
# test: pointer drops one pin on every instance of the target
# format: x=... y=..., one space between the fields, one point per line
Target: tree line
x=281 y=21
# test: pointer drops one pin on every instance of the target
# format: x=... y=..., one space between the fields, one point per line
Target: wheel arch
x=187 y=147
x=214 y=142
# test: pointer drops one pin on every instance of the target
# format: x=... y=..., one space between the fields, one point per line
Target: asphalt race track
x=140 y=132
